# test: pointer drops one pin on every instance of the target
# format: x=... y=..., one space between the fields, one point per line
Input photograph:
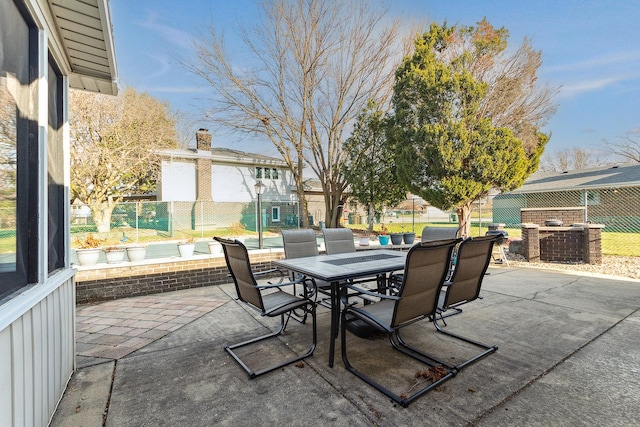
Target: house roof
x=225 y=155
x=84 y=30
x=236 y=154
x=609 y=177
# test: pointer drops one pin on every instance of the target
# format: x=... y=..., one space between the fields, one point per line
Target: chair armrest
x=281 y=284
x=373 y=294
x=262 y=273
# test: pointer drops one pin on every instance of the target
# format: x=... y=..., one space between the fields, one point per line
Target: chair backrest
x=424 y=274
x=473 y=258
x=299 y=243
x=338 y=240
x=430 y=234
x=237 y=257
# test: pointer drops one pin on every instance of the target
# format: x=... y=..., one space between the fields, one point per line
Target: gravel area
x=628 y=267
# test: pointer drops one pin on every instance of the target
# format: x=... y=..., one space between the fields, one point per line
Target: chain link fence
x=140 y=221
x=617 y=209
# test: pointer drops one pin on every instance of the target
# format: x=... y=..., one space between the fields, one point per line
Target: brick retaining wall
x=107 y=281
x=112 y=281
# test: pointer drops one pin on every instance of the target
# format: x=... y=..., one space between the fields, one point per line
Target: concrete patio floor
x=568 y=355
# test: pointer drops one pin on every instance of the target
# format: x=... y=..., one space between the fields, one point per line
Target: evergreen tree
x=454 y=137
x=369 y=167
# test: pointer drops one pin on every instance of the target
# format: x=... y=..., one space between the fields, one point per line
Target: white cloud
x=571 y=90
x=597 y=62
x=172 y=35
x=177 y=89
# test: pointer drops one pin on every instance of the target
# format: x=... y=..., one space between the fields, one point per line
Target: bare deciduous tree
x=574 y=158
x=316 y=64
x=114 y=143
x=627 y=146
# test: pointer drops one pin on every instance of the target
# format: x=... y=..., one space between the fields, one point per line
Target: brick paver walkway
x=114 y=329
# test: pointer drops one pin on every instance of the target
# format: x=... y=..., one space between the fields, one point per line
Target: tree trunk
x=302 y=200
x=301 y=197
x=102 y=216
x=372 y=218
x=464 y=219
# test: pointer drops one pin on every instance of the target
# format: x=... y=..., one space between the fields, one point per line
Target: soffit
x=84 y=30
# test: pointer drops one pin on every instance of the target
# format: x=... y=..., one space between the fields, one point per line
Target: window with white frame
x=16 y=193
x=275 y=213
x=55 y=170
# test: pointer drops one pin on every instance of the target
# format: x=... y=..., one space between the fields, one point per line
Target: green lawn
x=613 y=243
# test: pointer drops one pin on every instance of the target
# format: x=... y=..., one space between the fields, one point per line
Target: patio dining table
x=338 y=269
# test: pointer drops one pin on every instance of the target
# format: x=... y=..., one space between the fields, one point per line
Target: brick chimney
x=203 y=140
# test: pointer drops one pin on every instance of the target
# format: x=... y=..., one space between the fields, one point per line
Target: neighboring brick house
x=609 y=196
x=221 y=183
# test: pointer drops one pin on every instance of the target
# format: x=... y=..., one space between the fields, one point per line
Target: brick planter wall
x=108 y=282
x=112 y=281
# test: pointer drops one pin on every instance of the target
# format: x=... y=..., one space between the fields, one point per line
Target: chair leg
x=487 y=348
x=402 y=400
x=399 y=344
x=310 y=308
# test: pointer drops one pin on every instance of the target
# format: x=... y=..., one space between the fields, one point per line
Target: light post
x=413 y=213
x=259 y=187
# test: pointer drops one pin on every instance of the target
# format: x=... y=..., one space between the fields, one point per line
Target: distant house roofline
x=225 y=155
x=585 y=179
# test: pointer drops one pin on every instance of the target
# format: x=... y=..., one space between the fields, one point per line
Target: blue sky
x=590 y=48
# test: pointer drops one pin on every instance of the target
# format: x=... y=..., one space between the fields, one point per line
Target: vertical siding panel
x=27 y=381
x=17 y=342
x=49 y=356
x=57 y=340
x=37 y=358
x=39 y=321
x=6 y=377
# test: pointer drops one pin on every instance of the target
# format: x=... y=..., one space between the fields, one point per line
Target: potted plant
x=136 y=252
x=396 y=238
x=383 y=236
x=114 y=254
x=408 y=238
x=88 y=250
x=186 y=247
x=215 y=248
x=363 y=241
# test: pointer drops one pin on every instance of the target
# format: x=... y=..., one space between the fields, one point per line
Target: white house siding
x=178 y=181
x=37 y=350
x=233 y=183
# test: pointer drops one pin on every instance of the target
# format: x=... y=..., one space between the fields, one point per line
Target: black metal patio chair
x=339 y=241
x=473 y=258
x=299 y=244
x=425 y=271
x=274 y=303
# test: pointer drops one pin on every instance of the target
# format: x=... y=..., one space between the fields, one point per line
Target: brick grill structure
x=577 y=243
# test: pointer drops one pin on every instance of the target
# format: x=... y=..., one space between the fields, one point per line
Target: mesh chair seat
x=425 y=269
x=473 y=258
x=299 y=244
x=271 y=304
